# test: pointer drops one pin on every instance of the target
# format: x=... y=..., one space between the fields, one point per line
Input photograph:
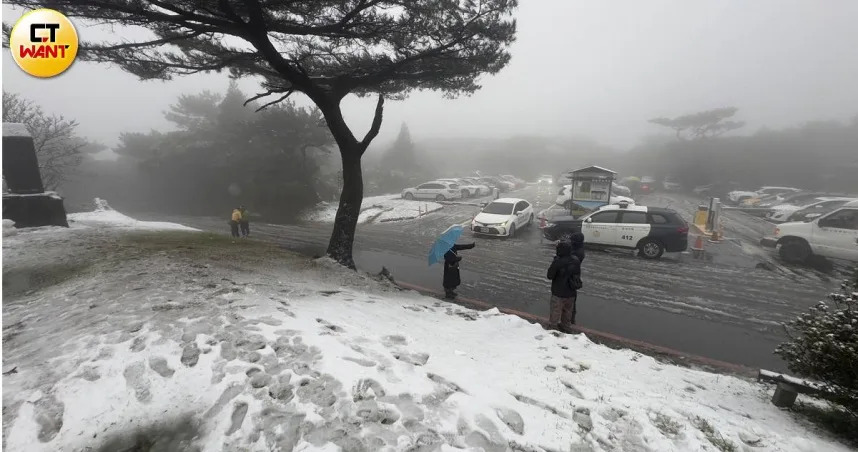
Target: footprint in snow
x=160 y=366
x=360 y=361
x=48 y=414
x=330 y=326
x=136 y=380
x=417 y=359
x=366 y=389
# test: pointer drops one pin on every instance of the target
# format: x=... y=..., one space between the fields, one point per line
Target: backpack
x=574 y=281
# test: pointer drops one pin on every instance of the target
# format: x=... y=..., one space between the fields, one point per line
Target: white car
x=437 y=190
x=621 y=190
x=833 y=235
x=737 y=196
x=783 y=212
x=503 y=217
x=468 y=189
x=545 y=179
x=565 y=197
x=482 y=189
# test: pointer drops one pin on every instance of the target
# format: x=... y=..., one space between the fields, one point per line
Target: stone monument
x=26 y=202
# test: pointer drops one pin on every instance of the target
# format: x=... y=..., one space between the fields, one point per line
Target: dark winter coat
x=564 y=266
x=452 y=279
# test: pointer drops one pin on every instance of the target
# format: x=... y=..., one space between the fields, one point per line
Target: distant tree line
x=816 y=155
x=223 y=154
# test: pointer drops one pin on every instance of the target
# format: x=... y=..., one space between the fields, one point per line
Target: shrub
x=825 y=347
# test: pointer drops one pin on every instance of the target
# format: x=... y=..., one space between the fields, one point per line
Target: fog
x=584 y=81
x=596 y=69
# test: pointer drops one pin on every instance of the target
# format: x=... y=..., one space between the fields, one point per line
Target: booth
x=591 y=189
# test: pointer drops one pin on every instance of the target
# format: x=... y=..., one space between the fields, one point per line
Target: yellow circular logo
x=43 y=43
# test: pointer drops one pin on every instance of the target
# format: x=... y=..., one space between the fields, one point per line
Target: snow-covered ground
x=105 y=216
x=220 y=345
x=377 y=209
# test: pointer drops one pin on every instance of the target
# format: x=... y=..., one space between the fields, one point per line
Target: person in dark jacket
x=563 y=294
x=452 y=279
x=577 y=240
x=244 y=224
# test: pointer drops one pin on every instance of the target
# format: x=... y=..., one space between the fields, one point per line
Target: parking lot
x=728 y=306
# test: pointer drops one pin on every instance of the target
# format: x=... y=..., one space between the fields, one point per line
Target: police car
x=650 y=230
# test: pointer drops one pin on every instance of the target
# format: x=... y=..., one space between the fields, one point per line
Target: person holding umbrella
x=446 y=248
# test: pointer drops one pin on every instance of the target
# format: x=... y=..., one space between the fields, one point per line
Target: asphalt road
x=723 y=307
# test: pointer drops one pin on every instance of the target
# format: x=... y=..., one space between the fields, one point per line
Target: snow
x=105 y=216
x=377 y=209
x=277 y=353
x=15 y=129
x=51 y=194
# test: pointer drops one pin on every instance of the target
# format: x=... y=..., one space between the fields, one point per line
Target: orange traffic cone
x=697 y=250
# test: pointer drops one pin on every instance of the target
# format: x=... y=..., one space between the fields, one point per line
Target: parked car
x=737 y=196
x=647 y=185
x=717 y=190
x=670 y=185
x=503 y=217
x=564 y=198
x=468 y=190
x=502 y=185
x=546 y=179
x=518 y=182
x=437 y=190
x=650 y=230
x=482 y=189
x=781 y=212
x=817 y=209
x=620 y=190
x=833 y=235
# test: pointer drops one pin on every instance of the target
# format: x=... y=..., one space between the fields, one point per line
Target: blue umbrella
x=445 y=243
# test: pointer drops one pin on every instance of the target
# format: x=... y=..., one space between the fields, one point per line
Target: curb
x=608 y=339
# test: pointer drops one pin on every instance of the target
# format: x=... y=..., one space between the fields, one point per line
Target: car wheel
x=530 y=221
x=409 y=196
x=440 y=198
x=795 y=251
x=512 y=231
x=651 y=249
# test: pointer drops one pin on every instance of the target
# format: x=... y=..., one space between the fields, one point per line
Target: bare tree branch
x=376 y=125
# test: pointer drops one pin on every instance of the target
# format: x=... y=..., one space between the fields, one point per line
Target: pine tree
x=826 y=348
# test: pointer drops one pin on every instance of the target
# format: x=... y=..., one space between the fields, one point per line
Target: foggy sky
x=592 y=68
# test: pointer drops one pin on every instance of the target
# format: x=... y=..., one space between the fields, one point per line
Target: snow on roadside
x=105 y=216
x=377 y=209
x=314 y=357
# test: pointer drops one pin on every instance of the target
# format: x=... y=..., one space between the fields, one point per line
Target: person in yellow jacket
x=233 y=223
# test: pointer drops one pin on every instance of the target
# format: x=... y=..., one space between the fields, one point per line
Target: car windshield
x=499 y=208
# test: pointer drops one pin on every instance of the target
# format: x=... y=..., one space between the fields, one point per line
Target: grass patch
x=204 y=246
x=717 y=440
x=831 y=418
x=666 y=425
x=21 y=280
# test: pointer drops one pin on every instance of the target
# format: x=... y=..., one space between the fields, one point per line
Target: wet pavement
x=722 y=307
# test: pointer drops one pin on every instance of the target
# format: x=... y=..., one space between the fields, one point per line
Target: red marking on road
x=631 y=343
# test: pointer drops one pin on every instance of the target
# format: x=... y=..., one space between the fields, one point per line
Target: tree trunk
x=351 y=197
x=345 y=223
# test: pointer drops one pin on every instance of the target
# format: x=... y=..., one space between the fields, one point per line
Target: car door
x=836 y=234
x=601 y=228
x=422 y=191
x=633 y=227
x=521 y=213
